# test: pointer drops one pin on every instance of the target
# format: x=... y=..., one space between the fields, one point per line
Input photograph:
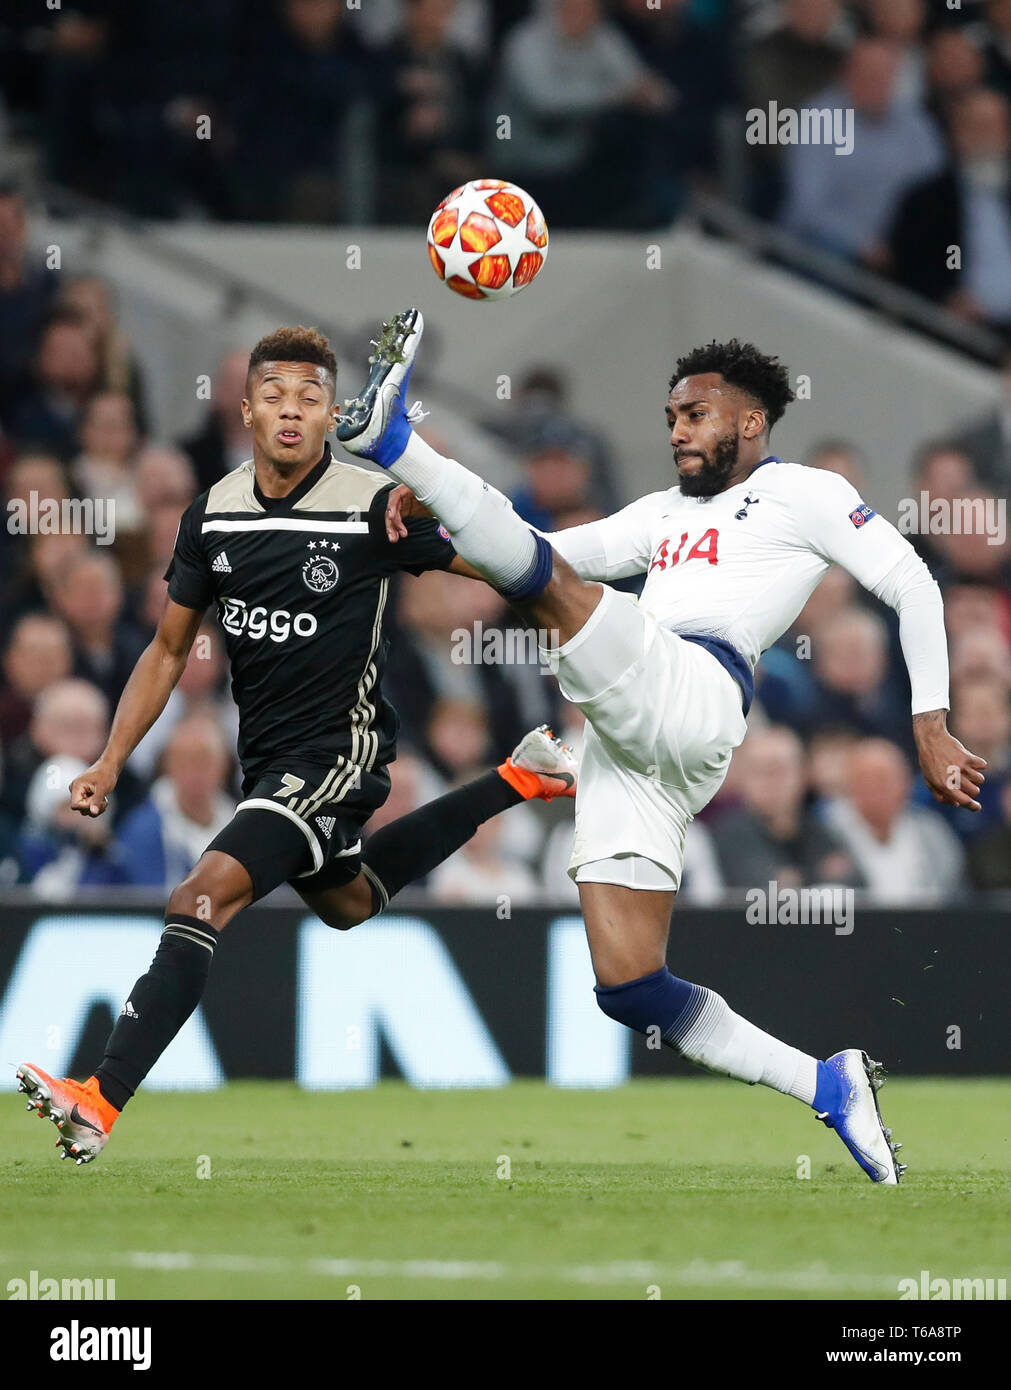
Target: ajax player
x=293 y=547
x=731 y=554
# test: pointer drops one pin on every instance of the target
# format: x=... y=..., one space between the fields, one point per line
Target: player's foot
x=541 y=765
x=375 y=424
x=855 y=1117
x=78 y=1110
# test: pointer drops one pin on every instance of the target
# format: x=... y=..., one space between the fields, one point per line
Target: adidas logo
x=128 y=1011
x=220 y=564
x=326 y=824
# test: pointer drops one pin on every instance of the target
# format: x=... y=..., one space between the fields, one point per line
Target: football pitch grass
x=681 y=1189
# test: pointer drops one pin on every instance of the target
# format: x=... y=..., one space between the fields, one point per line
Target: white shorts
x=664 y=717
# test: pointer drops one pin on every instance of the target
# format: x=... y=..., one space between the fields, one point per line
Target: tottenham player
x=730 y=554
x=293 y=548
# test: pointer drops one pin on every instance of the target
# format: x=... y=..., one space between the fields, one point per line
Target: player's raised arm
x=145 y=696
x=848 y=532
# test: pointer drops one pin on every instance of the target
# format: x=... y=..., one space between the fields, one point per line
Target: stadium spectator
x=971 y=547
x=161 y=840
x=29 y=474
x=988 y=440
x=43 y=407
x=905 y=853
x=164 y=476
x=980 y=718
x=105 y=466
x=199 y=692
x=955 y=65
x=557 y=480
x=901 y=22
x=439 y=651
x=998 y=45
x=222 y=442
x=990 y=855
x=966 y=206
x=579 y=100
x=942 y=472
x=800 y=56
x=457 y=738
x=845 y=204
x=119 y=367
x=784 y=683
x=38 y=654
x=70 y=718
x=772 y=835
x=540 y=413
x=289 y=110
x=850 y=657
x=59 y=851
x=481 y=874
x=842 y=457
x=88 y=595
x=693 y=52
x=26 y=288
x=430 y=116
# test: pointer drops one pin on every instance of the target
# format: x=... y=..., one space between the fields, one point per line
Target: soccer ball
x=487 y=239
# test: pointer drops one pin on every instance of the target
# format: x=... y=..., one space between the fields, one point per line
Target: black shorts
x=301 y=823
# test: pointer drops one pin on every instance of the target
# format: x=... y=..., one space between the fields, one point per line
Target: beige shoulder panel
x=343 y=487
x=234 y=492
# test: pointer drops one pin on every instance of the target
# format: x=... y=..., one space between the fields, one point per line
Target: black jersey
x=301 y=584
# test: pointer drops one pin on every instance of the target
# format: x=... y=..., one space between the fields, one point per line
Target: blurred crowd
x=610 y=111
x=824 y=790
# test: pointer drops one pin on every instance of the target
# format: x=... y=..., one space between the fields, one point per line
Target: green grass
x=688 y=1185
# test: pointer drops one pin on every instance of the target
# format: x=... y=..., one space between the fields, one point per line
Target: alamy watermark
x=784 y=125
x=955 y=1289
x=40 y=1287
x=960 y=516
x=511 y=646
x=791 y=907
x=50 y=516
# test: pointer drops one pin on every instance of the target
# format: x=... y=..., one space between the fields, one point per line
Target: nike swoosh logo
x=79 y=1119
x=566 y=778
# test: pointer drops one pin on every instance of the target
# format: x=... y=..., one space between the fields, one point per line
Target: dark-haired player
x=293 y=547
x=731 y=554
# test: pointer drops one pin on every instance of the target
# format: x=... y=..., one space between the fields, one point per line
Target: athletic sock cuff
x=537 y=577
x=193 y=929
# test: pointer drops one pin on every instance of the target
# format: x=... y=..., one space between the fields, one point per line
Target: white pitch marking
x=817 y=1278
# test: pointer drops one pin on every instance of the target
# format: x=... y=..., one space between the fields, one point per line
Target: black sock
x=159 y=1004
x=414 y=845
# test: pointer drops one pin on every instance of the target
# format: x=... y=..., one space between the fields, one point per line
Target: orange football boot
x=78 y=1110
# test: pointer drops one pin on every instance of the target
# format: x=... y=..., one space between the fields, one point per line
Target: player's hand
x=953 y=774
x=89 y=793
x=400 y=505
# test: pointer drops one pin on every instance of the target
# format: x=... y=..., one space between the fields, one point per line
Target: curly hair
x=299 y=344
x=763 y=378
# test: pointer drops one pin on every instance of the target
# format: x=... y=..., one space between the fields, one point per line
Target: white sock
x=485 y=529
x=721 y=1040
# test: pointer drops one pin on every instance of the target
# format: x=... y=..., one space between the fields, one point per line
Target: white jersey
x=740 y=566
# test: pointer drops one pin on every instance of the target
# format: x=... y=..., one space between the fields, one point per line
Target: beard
x=712 y=477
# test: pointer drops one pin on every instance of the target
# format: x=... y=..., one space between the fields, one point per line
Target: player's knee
x=213 y=891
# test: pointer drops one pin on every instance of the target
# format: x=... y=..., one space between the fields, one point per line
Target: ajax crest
x=320 y=573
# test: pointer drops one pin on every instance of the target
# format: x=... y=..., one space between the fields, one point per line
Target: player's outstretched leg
x=627 y=931
x=413 y=845
x=157 y=1007
x=485 y=529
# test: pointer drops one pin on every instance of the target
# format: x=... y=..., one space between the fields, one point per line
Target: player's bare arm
x=146 y=693
x=953 y=774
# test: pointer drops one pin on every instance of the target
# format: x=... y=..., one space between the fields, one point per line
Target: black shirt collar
x=270 y=504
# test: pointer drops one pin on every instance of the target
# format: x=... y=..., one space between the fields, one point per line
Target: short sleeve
x=189 y=579
x=426 y=546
